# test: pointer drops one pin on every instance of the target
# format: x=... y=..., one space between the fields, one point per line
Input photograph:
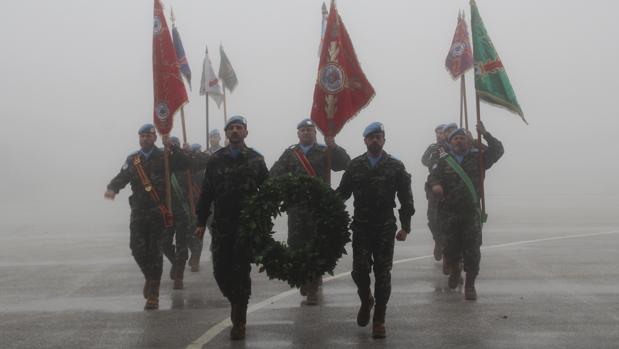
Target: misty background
x=76 y=84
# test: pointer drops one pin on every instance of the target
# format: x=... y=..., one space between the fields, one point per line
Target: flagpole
x=466 y=109
x=207 y=125
x=166 y=161
x=482 y=167
x=461 y=100
x=188 y=172
x=223 y=87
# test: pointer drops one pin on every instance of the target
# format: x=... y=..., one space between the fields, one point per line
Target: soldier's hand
x=481 y=129
x=330 y=142
x=109 y=194
x=401 y=235
x=437 y=190
x=200 y=232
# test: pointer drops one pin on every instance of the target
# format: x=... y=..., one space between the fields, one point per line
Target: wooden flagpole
x=192 y=205
x=463 y=105
x=482 y=166
x=208 y=130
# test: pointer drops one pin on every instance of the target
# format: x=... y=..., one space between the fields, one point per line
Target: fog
x=76 y=84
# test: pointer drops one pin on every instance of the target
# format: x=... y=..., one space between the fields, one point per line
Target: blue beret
x=451 y=125
x=440 y=127
x=214 y=132
x=305 y=123
x=196 y=147
x=459 y=131
x=147 y=128
x=175 y=140
x=373 y=128
x=237 y=119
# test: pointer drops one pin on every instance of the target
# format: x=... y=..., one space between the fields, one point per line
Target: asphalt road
x=548 y=286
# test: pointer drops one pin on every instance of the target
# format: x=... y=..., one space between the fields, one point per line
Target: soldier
x=375 y=178
x=197 y=175
x=232 y=174
x=214 y=139
x=430 y=156
x=455 y=180
x=144 y=169
x=308 y=158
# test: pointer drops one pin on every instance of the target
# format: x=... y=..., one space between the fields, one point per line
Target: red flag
x=342 y=89
x=460 y=56
x=169 y=90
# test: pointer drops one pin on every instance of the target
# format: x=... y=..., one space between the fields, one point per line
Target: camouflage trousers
x=433 y=220
x=462 y=238
x=174 y=243
x=231 y=265
x=147 y=230
x=372 y=246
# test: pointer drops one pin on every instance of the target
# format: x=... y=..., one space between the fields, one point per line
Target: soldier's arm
x=405 y=196
x=426 y=158
x=198 y=161
x=435 y=179
x=263 y=172
x=120 y=181
x=179 y=160
x=339 y=159
x=344 y=190
x=280 y=167
x=494 y=151
x=206 y=198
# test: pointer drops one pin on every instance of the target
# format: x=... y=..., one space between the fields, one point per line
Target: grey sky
x=77 y=83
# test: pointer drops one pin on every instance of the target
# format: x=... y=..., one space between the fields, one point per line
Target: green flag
x=491 y=81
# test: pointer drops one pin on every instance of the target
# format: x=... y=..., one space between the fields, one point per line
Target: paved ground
x=540 y=287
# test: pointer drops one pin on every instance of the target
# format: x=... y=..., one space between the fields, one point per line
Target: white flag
x=209 y=83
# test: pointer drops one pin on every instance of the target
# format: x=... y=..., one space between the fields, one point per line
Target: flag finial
x=172 y=17
x=324 y=9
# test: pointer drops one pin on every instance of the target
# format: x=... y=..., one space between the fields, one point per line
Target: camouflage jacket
x=375 y=189
x=317 y=156
x=154 y=169
x=431 y=155
x=457 y=197
x=227 y=182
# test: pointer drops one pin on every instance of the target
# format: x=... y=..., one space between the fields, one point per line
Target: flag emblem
x=458 y=49
x=163 y=112
x=332 y=78
x=157 y=26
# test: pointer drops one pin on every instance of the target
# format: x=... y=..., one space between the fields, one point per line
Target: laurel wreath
x=294 y=265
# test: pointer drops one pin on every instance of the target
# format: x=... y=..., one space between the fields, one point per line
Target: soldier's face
x=459 y=144
x=147 y=140
x=440 y=136
x=214 y=140
x=375 y=142
x=236 y=133
x=307 y=135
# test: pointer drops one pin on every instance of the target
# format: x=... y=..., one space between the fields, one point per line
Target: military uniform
x=429 y=158
x=227 y=182
x=458 y=213
x=374 y=224
x=147 y=222
x=195 y=245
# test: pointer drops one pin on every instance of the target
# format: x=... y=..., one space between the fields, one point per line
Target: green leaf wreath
x=299 y=265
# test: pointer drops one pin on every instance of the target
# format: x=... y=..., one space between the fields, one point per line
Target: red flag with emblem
x=342 y=89
x=460 y=56
x=169 y=90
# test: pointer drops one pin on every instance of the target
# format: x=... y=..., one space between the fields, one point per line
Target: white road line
x=218 y=328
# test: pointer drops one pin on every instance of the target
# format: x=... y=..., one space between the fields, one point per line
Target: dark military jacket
x=431 y=155
x=154 y=169
x=317 y=156
x=227 y=182
x=375 y=189
x=457 y=197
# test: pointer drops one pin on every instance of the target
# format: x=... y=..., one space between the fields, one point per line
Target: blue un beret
x=147 y=128
x=175 y=140
x=305 y=123
x=451 y=125
x=456 y=132
x=373 y=128
x=440 y=127
x=196 y=147
x=237 y=119
x=214 y=132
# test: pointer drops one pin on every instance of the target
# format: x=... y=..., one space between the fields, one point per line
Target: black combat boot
x=146 y=288
x=470 y=294
x=179 y=275
x=378 y=322
x=152 y=301
x=239 y=319
x=455 y=277
x=438 y=250
x=367 y=302
x=312 y=292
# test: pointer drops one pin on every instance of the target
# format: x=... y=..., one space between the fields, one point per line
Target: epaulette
x=255 y=151
x=292 y=146
x=321 y=147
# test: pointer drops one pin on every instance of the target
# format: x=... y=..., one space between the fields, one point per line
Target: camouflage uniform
x=459 y=216
x=227 y=182
x=374 y=224
x=146 y=225
x=300 y=225
x=429 y=158
x=198 y=164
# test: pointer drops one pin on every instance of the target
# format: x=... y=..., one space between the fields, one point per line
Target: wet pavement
x=542 y=287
